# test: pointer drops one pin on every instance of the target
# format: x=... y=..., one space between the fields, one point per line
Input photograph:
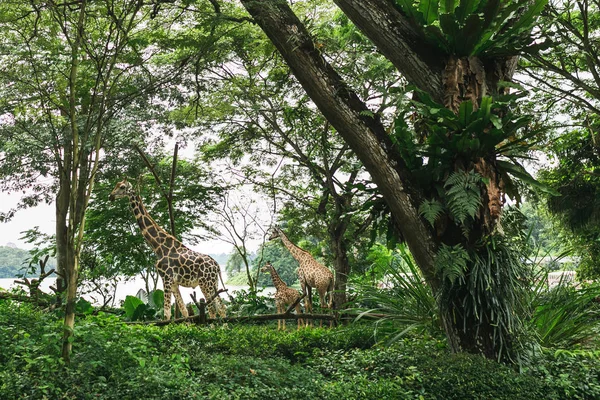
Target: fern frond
x=463 y=195
x=451 y=262
x=431 y=210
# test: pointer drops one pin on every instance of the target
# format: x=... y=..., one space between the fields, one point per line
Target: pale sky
x=44 y=216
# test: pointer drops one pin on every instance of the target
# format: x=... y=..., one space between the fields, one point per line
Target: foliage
x=246 y=303
x=112 y=237
x=475 y=28
x=114 y=360
x=285 y=265
x=404 y=304
x=574 y=177
x=565 y=85
x=565 y=316
x=14 y=261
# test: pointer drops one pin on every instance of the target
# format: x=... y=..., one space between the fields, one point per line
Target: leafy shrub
x=565 y=316
x=405 y=304
x=245 y=303
x=113 y=360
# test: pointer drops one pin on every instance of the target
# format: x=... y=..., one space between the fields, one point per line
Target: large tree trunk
x=397 y=40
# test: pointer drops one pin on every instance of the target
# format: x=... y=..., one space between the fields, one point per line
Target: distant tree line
x=15 y=262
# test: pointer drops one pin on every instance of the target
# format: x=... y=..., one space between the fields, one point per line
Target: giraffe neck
x=156 y=236
x=279 y=284
x=295 y=251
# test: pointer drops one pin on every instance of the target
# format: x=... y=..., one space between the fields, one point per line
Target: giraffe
x=284 y=296
x=312 y=274
x=177 y=265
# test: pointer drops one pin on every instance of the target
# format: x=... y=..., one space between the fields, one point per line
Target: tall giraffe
x=284 y=295
x=177 y=265
x=312 y=274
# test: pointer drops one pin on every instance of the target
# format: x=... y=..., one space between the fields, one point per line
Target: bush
x=113 y=360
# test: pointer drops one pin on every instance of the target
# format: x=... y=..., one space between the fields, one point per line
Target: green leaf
x=452 y=262
x=463 y=195
x=449 y=26
x=130 y=305
x=527 y=18
x=519 y=172
x=158 y=298
x=84 y=307
x=448 y=6
x=470 y=34
x=464 y=113
x=485 y=109
x=429 y=9
x=431 y=210
x=410 y=11
x=490 y=11
x=465 y=8
x=496 y=121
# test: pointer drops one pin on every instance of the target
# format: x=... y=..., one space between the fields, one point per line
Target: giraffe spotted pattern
x=177 y=265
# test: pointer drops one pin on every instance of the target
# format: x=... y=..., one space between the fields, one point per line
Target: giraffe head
x=267 y=267
x=275 y=233
x=122 y=189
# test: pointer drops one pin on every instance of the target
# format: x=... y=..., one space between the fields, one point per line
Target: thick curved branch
x=399 y=41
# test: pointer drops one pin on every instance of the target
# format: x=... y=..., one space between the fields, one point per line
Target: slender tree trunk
x=62 y=207
x=69 y=322
x=341 y=266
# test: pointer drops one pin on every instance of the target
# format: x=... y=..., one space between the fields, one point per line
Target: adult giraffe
x=177 y=265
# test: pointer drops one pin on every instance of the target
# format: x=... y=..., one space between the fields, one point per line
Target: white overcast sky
x=43 y=216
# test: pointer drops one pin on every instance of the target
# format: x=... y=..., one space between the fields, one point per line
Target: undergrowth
x=113 y=360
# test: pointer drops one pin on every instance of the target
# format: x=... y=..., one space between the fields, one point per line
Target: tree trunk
x=62 y=207
x=341 y=266
x=69 y=322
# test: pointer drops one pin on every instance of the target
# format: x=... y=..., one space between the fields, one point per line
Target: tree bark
x=397 y=39
x=341 y=266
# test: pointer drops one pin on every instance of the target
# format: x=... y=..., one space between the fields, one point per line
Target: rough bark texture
x=342 y=108
x=397 y=39
x=341 y=266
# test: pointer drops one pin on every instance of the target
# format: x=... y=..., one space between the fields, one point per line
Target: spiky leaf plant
x=405 y=304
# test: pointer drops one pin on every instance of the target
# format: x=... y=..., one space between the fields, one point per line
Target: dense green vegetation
x=113 y=360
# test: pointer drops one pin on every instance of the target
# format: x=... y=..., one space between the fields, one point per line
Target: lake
x=131 y=287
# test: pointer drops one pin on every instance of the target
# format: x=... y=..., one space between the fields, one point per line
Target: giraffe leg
x=179 y=300
x=309 y=304
x=167 y=283
x=280 y=310
x=323 y=305
x=299 y=312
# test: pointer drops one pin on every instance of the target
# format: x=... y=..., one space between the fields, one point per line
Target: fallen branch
x=267 y=317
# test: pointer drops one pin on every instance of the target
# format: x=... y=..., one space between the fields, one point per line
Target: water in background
x=131 y=287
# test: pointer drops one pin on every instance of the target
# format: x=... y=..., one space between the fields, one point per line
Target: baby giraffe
x=284 y=296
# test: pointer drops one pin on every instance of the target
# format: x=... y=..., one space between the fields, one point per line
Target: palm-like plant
x=405 y=303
